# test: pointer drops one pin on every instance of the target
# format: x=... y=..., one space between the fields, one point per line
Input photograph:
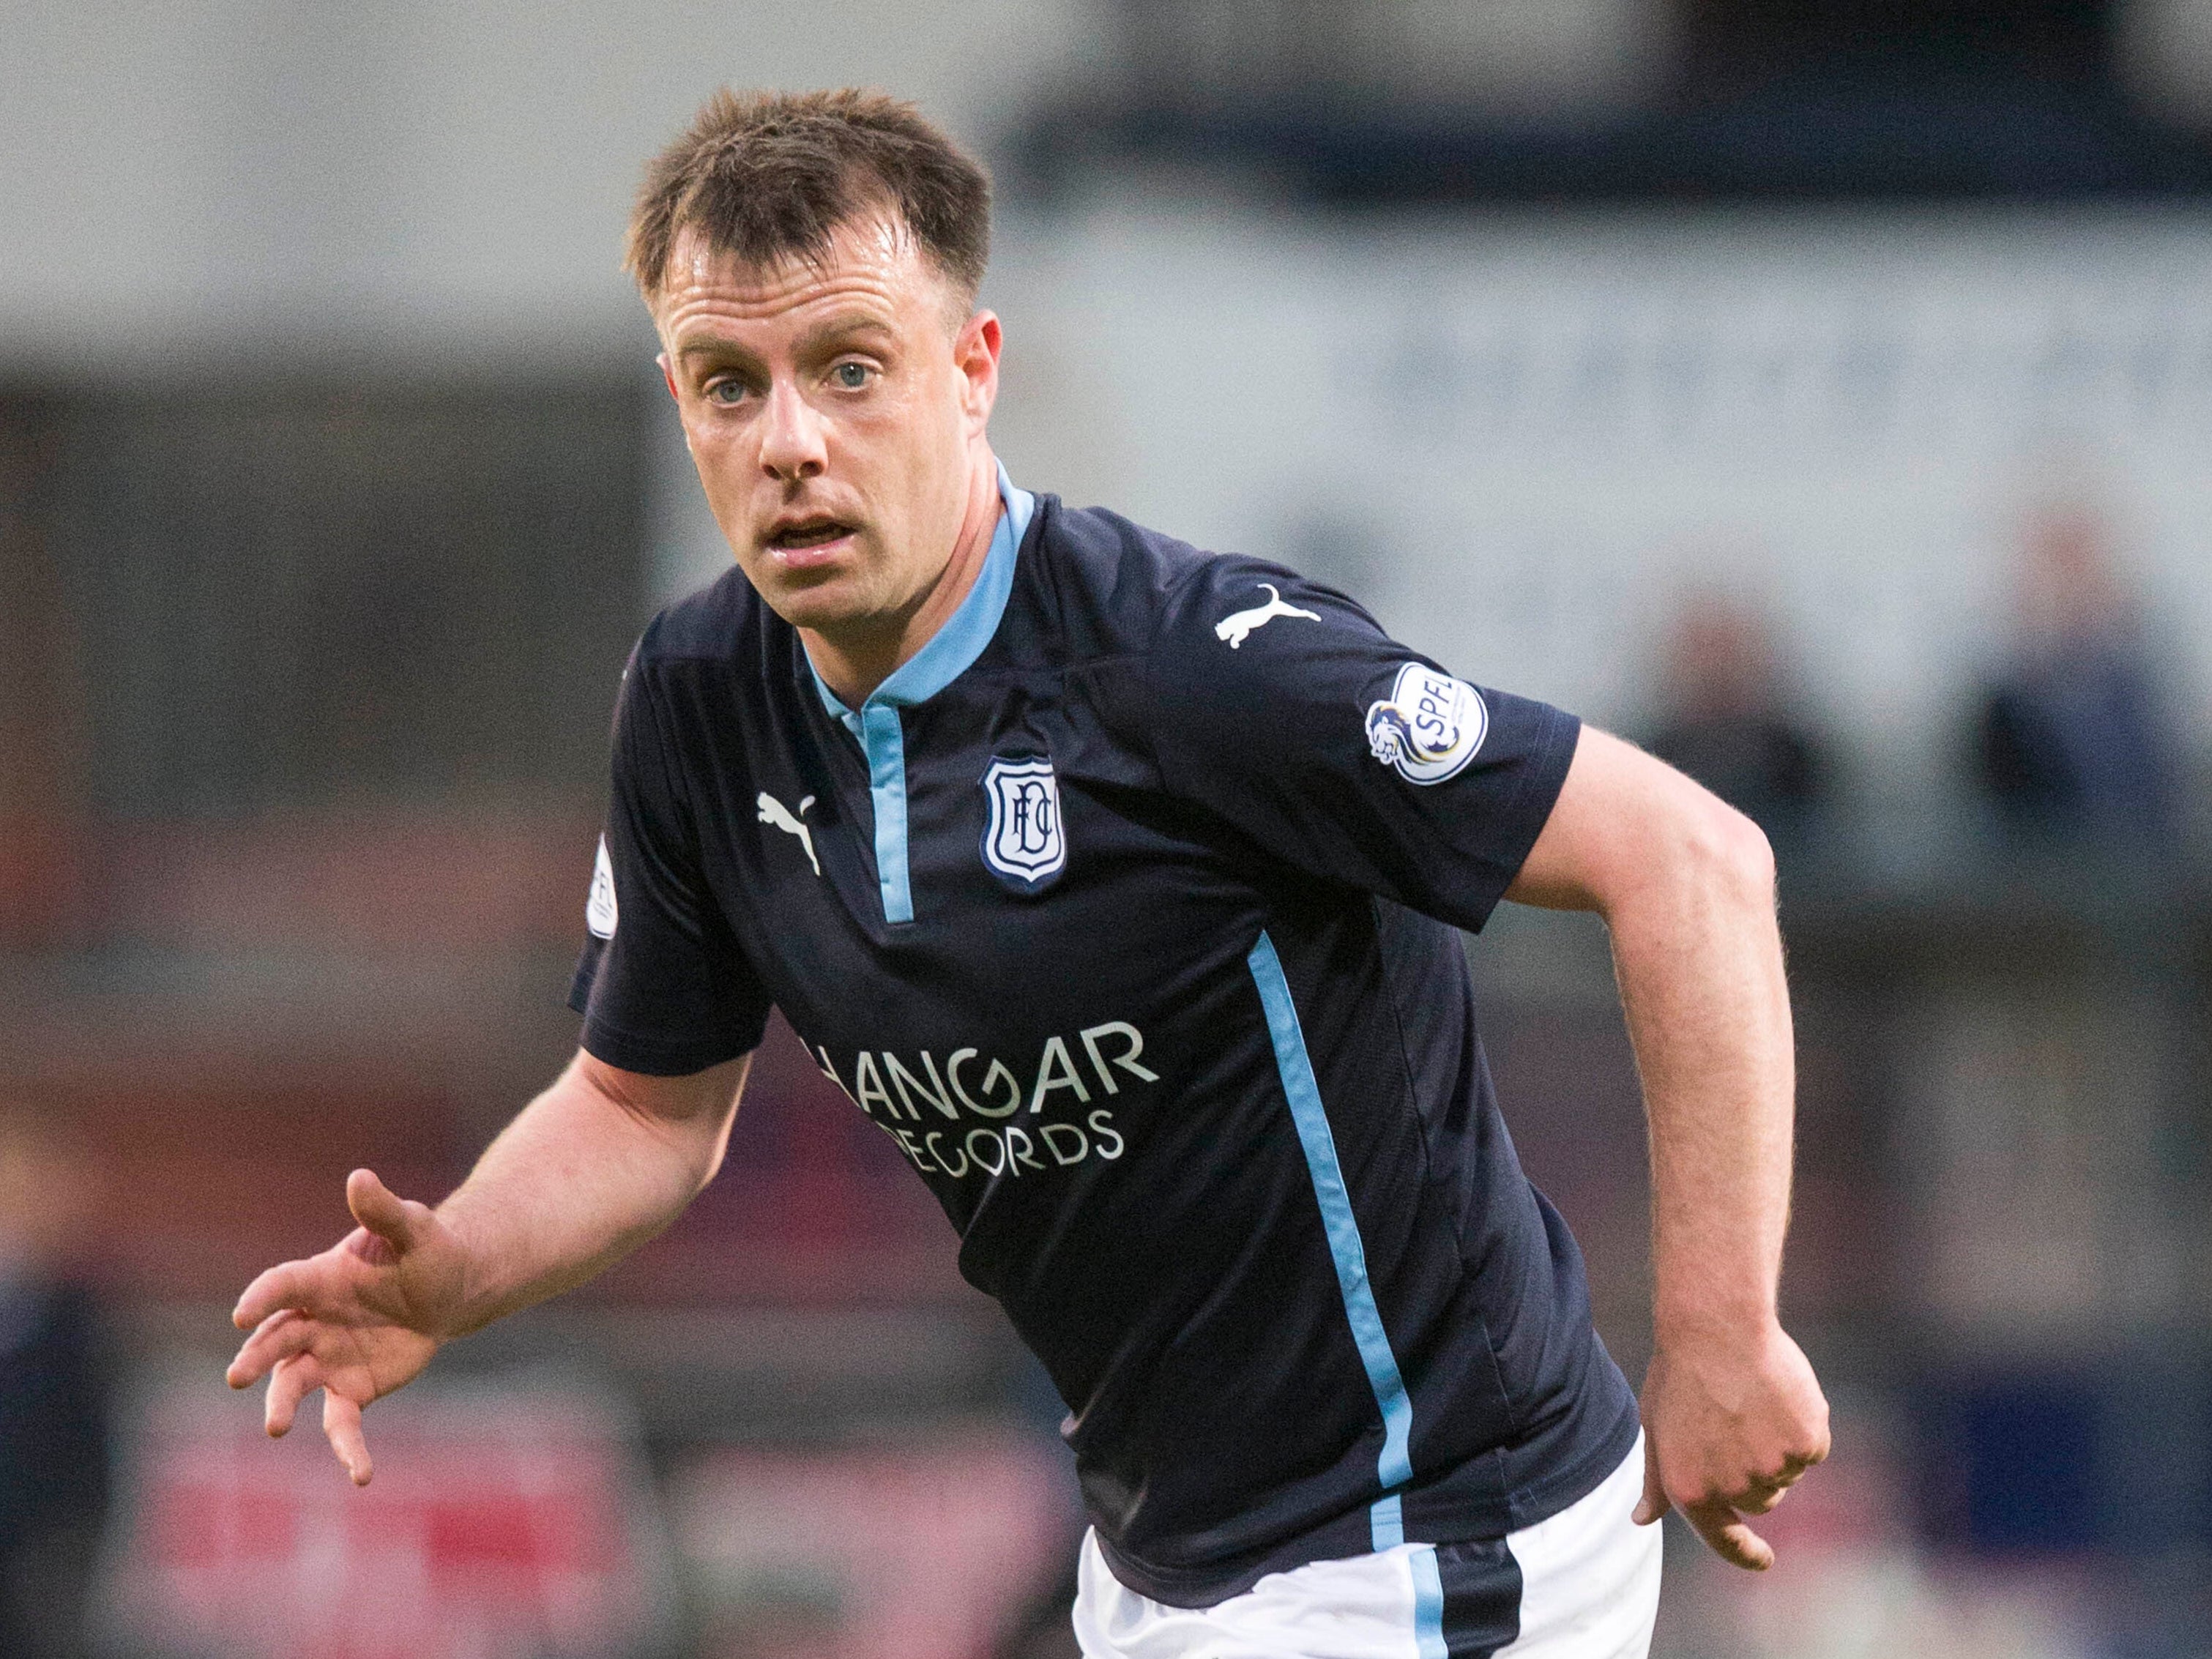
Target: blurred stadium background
x=1817 y=391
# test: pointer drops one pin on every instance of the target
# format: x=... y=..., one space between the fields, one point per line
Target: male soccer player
x=1120 y=883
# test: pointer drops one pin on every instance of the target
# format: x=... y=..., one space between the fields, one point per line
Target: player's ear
x=976 y=354
x=668 y=376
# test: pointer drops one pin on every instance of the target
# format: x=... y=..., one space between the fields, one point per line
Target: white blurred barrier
x=1521 y=439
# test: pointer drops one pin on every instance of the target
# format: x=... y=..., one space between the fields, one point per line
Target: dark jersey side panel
x=1573 y=1417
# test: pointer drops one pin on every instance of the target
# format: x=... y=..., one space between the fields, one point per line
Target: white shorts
x=1582 y=1585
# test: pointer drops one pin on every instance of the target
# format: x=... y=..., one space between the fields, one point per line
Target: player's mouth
x=805 y=544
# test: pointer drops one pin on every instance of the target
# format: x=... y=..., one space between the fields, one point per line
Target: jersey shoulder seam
x=1140 y=655
x=1168 y=598
x=666 y=752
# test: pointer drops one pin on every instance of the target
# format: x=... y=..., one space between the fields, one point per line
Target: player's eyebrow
x=715 y=346
x=841 y=330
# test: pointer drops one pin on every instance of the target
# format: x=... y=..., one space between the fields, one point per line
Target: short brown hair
x=767 y=176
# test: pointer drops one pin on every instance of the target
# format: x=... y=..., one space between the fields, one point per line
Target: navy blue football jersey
x=1129 y=907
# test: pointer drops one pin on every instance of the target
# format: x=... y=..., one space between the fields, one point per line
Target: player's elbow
x=1632 y=836
x=1725 y=854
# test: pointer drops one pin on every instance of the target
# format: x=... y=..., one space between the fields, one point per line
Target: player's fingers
x=380 y=1210
x=1653 y=1504
x=288 y=1384
x=341 y=1427
x=1760 y=1499
x=306 y=1286
x=1724 y=1531
x=281 y=1335
x=1761 y=1493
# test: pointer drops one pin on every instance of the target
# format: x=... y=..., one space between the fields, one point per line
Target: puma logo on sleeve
x=1239 y=627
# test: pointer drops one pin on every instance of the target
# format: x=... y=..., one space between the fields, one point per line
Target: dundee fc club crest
x=1429 y=726
x=1022 y=843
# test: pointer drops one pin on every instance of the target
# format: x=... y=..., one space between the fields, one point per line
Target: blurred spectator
x=1726 y=723
x=2071 y=738
x=53 y=1397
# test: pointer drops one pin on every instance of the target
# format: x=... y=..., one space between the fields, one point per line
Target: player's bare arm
x=624 y=1152
x=1732 y=1412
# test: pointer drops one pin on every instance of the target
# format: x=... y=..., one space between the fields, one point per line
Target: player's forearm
x=1700 y=958
x=576 y=1182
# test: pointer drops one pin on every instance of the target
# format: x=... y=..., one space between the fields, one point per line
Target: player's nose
x=793 y=446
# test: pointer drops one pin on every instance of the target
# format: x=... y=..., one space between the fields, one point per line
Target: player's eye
x=851 y=377
x=726 y=391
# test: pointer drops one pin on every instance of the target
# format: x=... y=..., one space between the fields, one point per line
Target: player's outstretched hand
x=356 y=1322
x=1730 y=1423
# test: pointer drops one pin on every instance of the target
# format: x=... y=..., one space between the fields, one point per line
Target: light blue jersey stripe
x=1394 y=1466
x=884 y=739
x=940 y=662
x=1386 y=1522
x=1428 y=1605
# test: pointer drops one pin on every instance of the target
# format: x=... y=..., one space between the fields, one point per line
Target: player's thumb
x=380 y=1210
x=1653 y=1504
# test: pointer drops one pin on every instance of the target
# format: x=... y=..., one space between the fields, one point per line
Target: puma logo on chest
x=774 y=811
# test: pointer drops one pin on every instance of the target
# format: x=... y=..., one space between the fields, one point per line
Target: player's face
x=836 y=412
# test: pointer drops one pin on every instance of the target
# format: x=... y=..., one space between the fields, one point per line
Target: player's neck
x=854 y=662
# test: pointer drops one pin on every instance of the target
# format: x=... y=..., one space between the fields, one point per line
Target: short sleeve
x=664 y=986
x=1282 y=707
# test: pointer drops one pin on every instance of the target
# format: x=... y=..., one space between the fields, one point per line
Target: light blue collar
x=922 y=677
x=966 y=631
